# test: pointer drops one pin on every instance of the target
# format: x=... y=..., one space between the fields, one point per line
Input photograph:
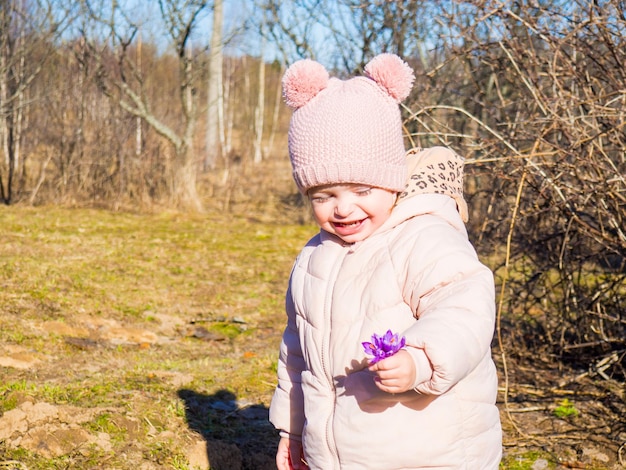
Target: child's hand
x=289 y=455
x=396 y=374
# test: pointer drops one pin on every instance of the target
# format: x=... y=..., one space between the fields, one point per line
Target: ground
x=562 y=420
x=586 y=437
x=149 y=342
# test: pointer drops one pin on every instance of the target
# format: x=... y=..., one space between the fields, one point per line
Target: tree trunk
x=185 y=192
x=259 y=113
x=229 y=109
x=215 y=92
x=275 y=114
x=8 y=108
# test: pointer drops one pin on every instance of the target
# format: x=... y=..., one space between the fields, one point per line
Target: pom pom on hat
x=393 y=74
x=302 y=81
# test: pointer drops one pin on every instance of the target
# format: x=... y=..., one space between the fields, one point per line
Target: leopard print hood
x=436 y=170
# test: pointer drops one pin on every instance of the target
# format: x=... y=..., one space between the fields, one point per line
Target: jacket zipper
x=330 y=438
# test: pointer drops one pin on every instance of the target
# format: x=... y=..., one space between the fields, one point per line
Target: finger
x=388 y=389
x=386 y=382
x=392 y=362
x=388 y=374
x=378 y=367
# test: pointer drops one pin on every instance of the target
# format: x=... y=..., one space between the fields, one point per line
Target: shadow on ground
x=238 y=434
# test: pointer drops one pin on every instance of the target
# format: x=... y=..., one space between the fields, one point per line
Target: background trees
x=532 y=94
x=116 y=109
x=27 y=35
x=538 y=108
x=121 y=77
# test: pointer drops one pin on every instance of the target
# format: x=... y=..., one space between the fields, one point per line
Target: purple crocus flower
x=383 y=346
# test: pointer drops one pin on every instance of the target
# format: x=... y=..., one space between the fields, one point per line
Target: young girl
x=392 y=255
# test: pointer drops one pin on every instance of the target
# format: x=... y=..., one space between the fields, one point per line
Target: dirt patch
x=130 y=436
x=579 y=424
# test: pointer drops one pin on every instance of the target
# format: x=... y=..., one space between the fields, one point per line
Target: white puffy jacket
x=417 y=275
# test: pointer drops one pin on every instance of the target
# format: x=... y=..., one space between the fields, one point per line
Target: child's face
x=351 y=211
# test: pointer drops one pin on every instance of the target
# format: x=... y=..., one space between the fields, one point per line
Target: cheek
x=319 y=214
x=386 y=207
x=386 y=204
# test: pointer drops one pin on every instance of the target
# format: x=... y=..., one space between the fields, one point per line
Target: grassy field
x=158 y=324
x=148 y=341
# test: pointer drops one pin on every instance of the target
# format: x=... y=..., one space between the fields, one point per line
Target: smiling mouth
x=354 y=224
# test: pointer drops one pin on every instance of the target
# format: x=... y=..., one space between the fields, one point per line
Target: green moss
x=566 y=409
x=527 y=461
x=22 y=459
x=230 y=330
x=12 y=393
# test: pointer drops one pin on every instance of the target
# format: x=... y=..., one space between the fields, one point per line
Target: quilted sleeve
x=452 y=295
x=287 y=407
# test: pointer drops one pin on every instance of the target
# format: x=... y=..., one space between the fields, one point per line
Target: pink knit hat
x=348 y=131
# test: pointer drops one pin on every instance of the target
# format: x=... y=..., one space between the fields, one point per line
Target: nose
x=344 y=206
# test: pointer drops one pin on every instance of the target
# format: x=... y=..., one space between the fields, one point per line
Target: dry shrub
x=534 y=97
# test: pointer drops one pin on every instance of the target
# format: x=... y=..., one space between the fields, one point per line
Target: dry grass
x=152 y=340
x=151 y=320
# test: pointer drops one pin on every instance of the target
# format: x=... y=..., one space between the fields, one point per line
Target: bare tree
x=348 y=33
x=259 y=112
x=27 y=33
x=276 y=108
x=533 y=96
x=124 y=83
x=291 y=26
x=215 y=145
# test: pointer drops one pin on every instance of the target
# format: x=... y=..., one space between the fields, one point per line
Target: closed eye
x=319 y=198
